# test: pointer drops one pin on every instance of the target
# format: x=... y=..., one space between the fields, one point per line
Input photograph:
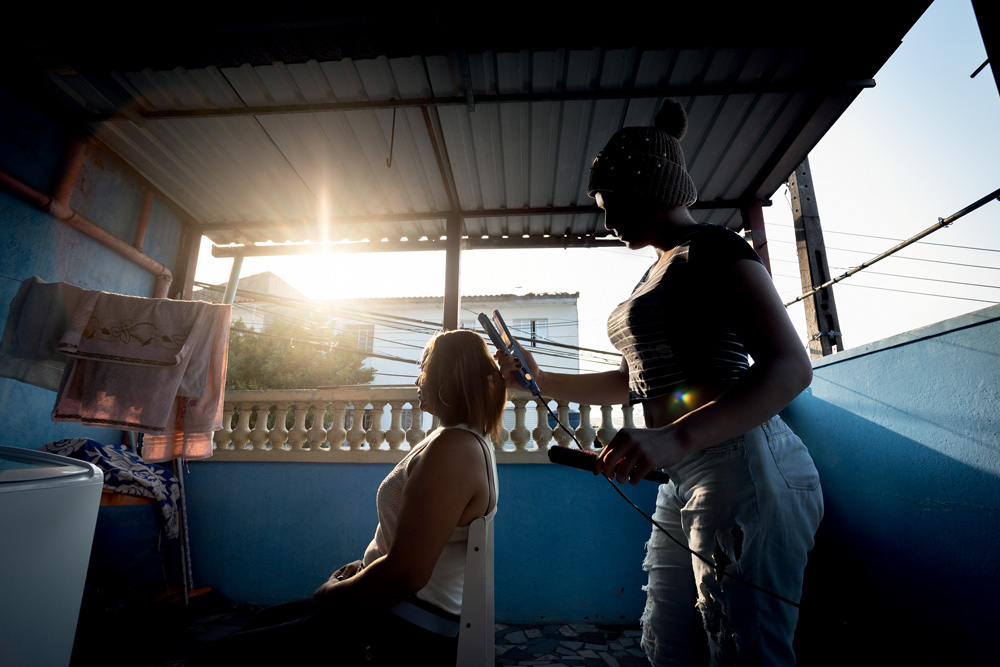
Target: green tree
x=284 y=358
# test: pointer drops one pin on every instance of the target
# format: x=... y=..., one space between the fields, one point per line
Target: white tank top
x=445 y=587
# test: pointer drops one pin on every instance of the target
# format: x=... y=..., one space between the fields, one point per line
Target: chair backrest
x=475 y=636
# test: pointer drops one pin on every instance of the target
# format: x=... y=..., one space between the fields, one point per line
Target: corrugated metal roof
x=498 y=130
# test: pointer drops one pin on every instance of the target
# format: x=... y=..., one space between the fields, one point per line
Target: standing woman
x=744 y=493
x=401 y=602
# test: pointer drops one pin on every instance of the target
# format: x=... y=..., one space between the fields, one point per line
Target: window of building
x=363 y=334
x=367 y=419
x=530 y=330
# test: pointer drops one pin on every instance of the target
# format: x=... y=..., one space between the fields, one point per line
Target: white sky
x=921 y=145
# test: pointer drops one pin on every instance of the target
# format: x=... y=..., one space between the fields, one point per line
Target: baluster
x=317 y=434
x=297 y=436
x=519 y=434
x=223 y=438
x=416 y=431
x=258 y=436
x=627 y=421
x=502 y=439
x=375 y=434
x=585 y=433
x=395 y=436
x=542 y=433
x=562 y=437
x=607 y=430
x=241 y=435
x=336 y=435
x=356 y=435
x=279 y=432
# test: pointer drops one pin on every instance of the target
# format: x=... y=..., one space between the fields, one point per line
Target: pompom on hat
x=647 y=162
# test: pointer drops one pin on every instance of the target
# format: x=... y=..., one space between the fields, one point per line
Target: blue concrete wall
x=905 y=435
x=567 y=547
x=35 y=244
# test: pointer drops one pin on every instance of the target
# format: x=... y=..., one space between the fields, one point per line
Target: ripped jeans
x=751 y=504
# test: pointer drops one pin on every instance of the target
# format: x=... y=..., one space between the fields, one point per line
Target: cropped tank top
x=444 y=590
x=670 y=331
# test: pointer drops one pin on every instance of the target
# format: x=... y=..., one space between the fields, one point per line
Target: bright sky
x=921 y=145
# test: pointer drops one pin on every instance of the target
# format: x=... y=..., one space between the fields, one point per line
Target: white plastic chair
x=475 y=636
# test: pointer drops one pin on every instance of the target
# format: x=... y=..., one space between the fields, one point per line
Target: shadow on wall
x=904 y=569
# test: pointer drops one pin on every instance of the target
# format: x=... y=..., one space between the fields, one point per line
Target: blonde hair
x=478 y=396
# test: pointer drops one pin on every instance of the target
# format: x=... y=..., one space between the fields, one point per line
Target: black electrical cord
x=720 y=569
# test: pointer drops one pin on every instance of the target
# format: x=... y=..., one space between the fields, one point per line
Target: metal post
x=753 y=216
x=234 y=280
x=453 y=252
x=822 y=323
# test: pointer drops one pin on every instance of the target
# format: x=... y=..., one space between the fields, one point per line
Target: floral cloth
x=125 y=472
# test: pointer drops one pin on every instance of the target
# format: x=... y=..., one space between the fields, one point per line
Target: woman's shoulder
x=453 y=438
x=449 y=449
x=717 y=243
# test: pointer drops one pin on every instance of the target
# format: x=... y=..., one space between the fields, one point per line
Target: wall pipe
x=140 y=231
x=64 y=213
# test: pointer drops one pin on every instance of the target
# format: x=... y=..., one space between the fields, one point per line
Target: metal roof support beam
x=698 y=90
x=590 y=209
x=822 y=323
x=453 y=254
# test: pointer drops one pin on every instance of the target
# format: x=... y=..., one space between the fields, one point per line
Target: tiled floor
x=569 y=645
x=161 y=636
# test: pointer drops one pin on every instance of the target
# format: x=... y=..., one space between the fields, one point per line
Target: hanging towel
x=194 y=419
x=155 y=366
x=133 y=357
x=39 y=315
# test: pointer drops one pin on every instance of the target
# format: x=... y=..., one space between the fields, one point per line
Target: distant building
x=395 y=330
x=258 y=311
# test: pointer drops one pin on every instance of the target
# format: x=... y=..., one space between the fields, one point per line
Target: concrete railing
x=390 y=423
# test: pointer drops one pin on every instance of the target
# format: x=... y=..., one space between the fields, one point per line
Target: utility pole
x=822 y=323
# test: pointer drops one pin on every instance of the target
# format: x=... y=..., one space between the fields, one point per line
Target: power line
x=554 y=349
x=903 y=291
x=944 y=222
x=915 y=259
x=886 y=238
x=934 y=280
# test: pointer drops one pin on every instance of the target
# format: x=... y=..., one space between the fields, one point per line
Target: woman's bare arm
x=606 y=388
x=781 y=370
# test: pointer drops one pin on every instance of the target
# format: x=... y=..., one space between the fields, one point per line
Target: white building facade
x=395 y=331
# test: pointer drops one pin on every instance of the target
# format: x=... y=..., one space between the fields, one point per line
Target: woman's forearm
x=761 y=393
x=376 y=587
x=607 y=388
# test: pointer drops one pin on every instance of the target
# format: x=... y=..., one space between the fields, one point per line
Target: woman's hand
x=326 y=591
x=347 y=571
x=509 y=365
x=635 y=452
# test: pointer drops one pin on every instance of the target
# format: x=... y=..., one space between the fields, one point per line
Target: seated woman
x=403 y=599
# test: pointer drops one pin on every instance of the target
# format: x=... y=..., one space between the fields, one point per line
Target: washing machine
x=48 y=512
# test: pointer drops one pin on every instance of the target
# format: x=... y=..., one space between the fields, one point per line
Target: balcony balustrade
x=341 y=436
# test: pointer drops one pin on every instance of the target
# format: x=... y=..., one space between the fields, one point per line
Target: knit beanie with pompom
x=647 y=162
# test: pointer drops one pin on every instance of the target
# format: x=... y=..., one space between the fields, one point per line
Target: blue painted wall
x=35 y=244
x=904 y=433
x=567 y=547
x=906 y=436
